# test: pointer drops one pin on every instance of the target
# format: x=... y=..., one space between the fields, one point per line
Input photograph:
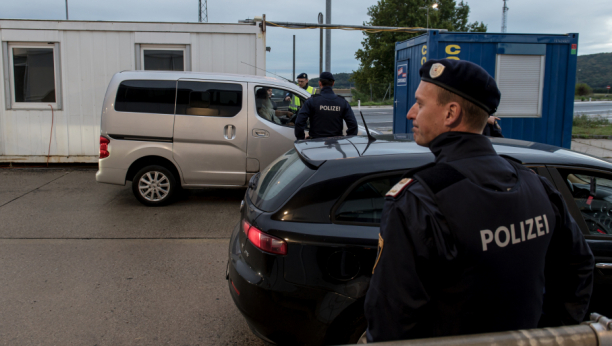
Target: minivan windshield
x=279 y=181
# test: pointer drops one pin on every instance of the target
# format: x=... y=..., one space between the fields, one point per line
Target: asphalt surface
x=86 y=264
x=382 y=118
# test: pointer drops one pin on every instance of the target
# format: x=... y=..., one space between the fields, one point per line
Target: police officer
x=473 y=242
x=326 y=111
x=302 y=80
x=492 y=128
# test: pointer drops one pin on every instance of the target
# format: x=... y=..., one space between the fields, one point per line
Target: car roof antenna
x=370 y=137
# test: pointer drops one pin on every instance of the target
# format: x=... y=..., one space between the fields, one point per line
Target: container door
x=210 y=132
x=271 y=124
x=402 y=96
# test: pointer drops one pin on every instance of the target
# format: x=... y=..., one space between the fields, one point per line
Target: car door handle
x=261 y=133
x=604 y=265
x=229 y=132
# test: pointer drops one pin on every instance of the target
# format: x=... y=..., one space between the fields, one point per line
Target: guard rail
x=596 y=332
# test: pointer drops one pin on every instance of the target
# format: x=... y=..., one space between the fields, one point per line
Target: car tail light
x=104 y=147
x=263 y=241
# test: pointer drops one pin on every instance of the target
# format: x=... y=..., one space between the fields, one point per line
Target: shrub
x=583 y=89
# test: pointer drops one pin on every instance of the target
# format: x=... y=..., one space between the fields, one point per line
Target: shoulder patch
x=399 y=187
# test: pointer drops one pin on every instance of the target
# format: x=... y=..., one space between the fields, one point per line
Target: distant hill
x=595 y=70
x=342 y=81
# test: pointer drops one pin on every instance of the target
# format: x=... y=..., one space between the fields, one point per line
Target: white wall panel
x=225 y=53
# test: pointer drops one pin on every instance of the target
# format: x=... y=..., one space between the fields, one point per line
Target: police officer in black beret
x=326 y=112
x=472 y=243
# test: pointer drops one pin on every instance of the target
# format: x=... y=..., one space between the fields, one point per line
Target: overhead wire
x=408 y=30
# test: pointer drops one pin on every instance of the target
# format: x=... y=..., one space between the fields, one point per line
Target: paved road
x=86 y=264
x=382 y=118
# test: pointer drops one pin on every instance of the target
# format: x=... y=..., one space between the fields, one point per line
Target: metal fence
x=597 y=332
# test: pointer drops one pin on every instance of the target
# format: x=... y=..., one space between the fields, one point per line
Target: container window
x=365 y=202
x=32 y=69
x=520 y=79
x=208 y=99
x=279 y=181
x=163 y=59
x=278 y=106
x=146 y=96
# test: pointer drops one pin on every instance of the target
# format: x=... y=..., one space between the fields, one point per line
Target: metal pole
x=328 y=36
x=320 y=44
x=199 y=11
x=427 y=17
x=67 y=10
x=294 y=58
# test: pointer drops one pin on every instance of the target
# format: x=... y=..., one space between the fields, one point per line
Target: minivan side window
x=277 y=106
x=365 y=202
x=208 y=99
x=146 y=96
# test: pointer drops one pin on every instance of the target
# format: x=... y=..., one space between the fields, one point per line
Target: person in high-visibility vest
x=302 y=80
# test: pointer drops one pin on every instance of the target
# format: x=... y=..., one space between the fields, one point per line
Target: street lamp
x=434 y=6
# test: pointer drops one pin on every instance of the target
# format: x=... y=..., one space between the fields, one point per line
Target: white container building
x=59 y=70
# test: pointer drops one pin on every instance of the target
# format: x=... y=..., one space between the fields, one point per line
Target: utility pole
x=293 y=58
x=504 y=17
x=320 y=44
x=328 y=36
x=202 y=11
x=67 y=10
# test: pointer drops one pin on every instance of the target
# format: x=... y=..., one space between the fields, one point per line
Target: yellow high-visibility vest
x=296 y=100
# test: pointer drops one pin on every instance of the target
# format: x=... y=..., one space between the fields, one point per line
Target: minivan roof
x=174 y=75
x=316 y=151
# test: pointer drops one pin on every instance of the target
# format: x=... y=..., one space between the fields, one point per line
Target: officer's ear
x=454 y=114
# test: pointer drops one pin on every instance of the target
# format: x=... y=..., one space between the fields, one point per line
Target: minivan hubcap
x=154 y=186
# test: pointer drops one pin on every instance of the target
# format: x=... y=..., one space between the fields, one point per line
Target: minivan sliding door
x=210 y=133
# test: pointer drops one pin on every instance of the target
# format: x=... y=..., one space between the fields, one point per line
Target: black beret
x=303 y=75
x=465 y=79
x=327 y=75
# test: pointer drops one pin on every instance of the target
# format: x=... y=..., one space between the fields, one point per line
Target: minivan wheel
x=154 y=186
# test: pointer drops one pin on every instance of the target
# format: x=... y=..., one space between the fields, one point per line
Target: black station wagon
x=301 y=257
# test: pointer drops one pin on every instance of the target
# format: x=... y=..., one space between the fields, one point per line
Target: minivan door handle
x=229 y=132
x=604 y=265
x=261 y=133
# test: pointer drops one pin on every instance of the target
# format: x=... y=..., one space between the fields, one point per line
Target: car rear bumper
x=110 y=175
x=281 y=313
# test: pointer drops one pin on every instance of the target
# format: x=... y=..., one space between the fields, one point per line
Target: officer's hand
x=492 y=120
x=287 y=98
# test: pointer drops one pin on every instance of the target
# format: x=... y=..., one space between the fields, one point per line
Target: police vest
x=496 y=280
x=295 y=100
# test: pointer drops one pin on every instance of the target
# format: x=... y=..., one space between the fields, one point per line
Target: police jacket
x=475 y=243
x=326 y=112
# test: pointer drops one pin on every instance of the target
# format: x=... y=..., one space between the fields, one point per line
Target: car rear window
x=364 y=204
x=279 y=181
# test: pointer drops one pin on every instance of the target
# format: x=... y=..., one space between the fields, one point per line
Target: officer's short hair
x=475 y=117
x=326 y=82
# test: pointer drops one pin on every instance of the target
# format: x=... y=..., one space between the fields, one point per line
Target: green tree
x=583 y=89
x=377 y=57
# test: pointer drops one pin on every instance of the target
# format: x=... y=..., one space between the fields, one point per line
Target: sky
x=592 y=19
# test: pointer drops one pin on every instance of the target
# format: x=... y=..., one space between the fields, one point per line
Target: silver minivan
x=167 y=130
